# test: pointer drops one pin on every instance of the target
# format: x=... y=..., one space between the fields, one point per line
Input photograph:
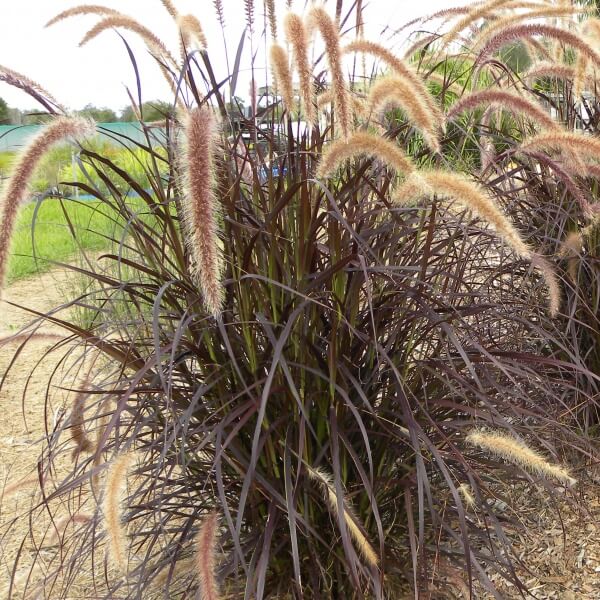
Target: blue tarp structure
x=14 y=137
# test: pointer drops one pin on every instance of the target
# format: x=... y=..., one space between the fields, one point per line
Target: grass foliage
x=312 y=439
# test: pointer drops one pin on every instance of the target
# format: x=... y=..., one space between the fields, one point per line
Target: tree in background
x=100 y=115
x=154 y=110
x=4 y=112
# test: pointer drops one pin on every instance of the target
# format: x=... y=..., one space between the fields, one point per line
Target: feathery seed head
x=320 y=20
x=191 y=30
x=114 y=488
x=297 y=36
x=14 y=191
x=517 y=453
x=396 y=90
x=527 y=31
x=359 y=143
x=503 y=99
x=473 y=197
x=282 y=75
x=84 y=9
x=350 y=519
x=552 y=282
x=200 y=207
x=32 y=88
x=402 y=70
x=205 y=557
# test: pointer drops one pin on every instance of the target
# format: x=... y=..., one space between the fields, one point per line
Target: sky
x=99 y=72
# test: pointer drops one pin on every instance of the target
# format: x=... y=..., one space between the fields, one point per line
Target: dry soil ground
x=558 y=544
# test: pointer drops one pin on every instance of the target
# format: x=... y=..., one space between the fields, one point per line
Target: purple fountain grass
x=518 y=453
x=282 y=76
x=297 y=36
x=571 y=144
x=15 y=190
x=170 y=7
x=272 y=18
x=513 y=18
x=33 y=89
x=401 y=69
x=549 y=69
x=84 y=9
x=506 y=100
x=320 y=20
x=361 y=143
x=529 y=30
x=399 y=91
x=61 y=525
x=474 y=197
x=482 y=11
x=114 y=488
x=191 y=30
x=205 y=557
x=200 y=206
x=155 y=45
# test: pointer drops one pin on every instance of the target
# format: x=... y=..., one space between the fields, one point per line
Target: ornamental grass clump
x=302 y=314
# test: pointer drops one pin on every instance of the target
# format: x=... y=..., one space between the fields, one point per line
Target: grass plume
x=84 y=9
x=363 y=544
x=506 y=100
x=320 y=20
x=297 y=36
x=155 y=45
x=361 y=143
x=205 y=557
x=471 y=196
x=517 y=453
x=398 y=91
x=282 y=76
x=191 y=30
x=529 y=30
x=15 y=190
x=116 y=479
x=78 y=434
x=197 y=164
x=33 y=89
x=570 y=143
x=401 y=69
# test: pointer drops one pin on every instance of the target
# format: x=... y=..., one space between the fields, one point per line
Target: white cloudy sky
x=99 y=72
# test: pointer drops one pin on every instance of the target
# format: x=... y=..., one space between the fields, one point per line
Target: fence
x=14 y=137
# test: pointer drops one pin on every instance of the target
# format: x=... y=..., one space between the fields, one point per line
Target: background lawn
x=32 y=252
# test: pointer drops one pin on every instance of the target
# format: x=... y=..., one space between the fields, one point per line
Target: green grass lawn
x=93 y=222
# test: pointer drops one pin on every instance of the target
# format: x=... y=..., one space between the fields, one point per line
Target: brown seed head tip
x=200 y=205
x=206 y=557
x=517 y=453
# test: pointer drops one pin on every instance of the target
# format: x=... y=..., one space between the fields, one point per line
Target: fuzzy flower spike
x=197 y=165
x=15 y=190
